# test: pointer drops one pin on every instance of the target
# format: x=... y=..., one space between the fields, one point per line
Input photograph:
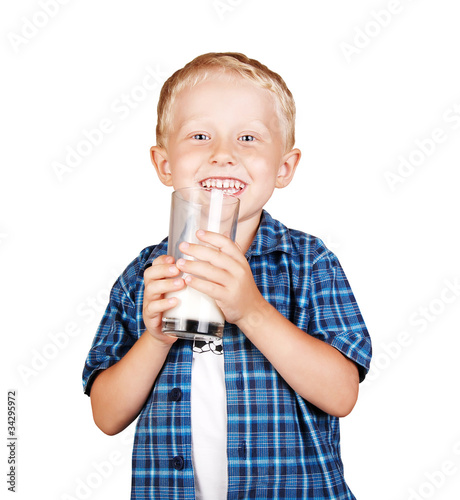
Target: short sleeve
x=116 y=334
x=334 y=315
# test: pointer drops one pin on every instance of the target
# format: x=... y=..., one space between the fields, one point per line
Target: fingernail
x=185 y=245
x=181 y=262
x=200 y=232
x=172 y=269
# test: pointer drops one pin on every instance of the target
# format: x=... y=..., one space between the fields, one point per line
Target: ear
x=160 y=161
x=287 y=169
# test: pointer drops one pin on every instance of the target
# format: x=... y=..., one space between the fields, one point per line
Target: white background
x=371 y=87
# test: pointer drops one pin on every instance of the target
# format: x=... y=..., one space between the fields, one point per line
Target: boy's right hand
x=160 y=278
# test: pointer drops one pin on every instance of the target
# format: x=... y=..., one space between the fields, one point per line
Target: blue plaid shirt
x=278 y=444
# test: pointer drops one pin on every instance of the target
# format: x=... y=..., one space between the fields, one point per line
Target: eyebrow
x=256 y=122
x=190 y=120
x=260 y=123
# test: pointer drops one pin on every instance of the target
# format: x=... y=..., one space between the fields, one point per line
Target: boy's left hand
x=227 y=276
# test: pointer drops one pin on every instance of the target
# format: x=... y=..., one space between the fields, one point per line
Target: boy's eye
x=200 y=137
x=247 y=138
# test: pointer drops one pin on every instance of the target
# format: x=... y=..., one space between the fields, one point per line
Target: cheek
x=183 y=159
x=264 y=167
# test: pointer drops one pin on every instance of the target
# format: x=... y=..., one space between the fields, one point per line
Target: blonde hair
x=202 y=67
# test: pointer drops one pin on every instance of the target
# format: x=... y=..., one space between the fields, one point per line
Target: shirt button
x=178 y=462
x=175 y=394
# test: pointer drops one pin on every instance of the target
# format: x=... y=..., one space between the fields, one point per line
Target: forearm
x=119 y=393
x=313 y=368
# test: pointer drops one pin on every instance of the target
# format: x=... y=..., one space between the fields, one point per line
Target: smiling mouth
x=229 y=186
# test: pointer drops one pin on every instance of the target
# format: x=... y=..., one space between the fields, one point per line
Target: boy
x=256 y=417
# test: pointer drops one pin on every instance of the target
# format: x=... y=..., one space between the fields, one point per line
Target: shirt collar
x=272 y=236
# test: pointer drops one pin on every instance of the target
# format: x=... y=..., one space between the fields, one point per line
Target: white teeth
x=231 y=186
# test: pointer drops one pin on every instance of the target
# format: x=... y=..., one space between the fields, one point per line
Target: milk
x=196 y=316
x=194 y=305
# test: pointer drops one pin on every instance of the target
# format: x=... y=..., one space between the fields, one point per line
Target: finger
x=209 y=288
x=207 y=270
x=207 y=253
x=161 y=269
x=155 y=307
x=162 y=259
x=220 y=241
x=154 y=289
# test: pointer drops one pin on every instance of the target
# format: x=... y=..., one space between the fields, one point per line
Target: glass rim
x=231 y=198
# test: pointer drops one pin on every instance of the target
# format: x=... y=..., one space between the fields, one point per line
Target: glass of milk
x=197 y=316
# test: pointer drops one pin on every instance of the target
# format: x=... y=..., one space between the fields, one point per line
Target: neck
x=246 y=232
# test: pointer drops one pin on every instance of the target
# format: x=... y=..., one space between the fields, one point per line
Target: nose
x=222 y=154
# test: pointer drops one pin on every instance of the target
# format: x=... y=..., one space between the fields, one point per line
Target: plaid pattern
x=278 y=444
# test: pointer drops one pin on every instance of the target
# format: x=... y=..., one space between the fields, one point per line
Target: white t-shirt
x=209 y=421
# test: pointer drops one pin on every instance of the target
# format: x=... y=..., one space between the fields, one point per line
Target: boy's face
x=225 y=132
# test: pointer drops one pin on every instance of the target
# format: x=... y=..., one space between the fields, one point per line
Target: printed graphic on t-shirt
x=202 y=346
